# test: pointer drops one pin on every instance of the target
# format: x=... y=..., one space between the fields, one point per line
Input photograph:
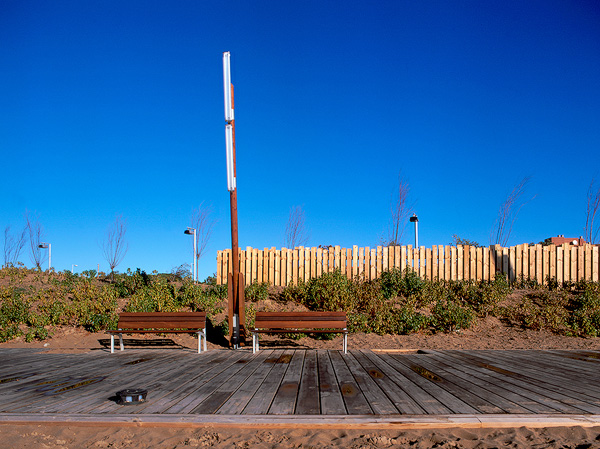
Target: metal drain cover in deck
x=132 y=396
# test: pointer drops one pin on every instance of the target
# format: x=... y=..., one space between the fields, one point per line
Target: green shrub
x=359 y=322
x=9 y=332
x=542 y=310
x=257 y=291
x=128 y=284
x=250 y=315
x=397 y=283
x=156 y=297
x=93 y=307
x=36 y=333
x=432 y=292
x=406 y=321
x=481 y=296
x=585 y=319
x=14 y=309
x=392 y=320
x=448 y=316
x=52 y=311
x=219 y=292
x=295 y=293
x=90 y=274
x=199 y=299
x=391 y=283
x=330 y=292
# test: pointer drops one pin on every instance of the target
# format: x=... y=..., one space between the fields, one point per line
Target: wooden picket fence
x=282 y=267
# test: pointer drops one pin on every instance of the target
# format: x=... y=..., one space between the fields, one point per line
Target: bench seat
x=299 y=322
x=160 y=323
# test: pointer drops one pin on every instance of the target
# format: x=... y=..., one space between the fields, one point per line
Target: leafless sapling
x=203 y=223
x=36 y=234
x=114 y=246
x=295 y=230
x=592 y=225
x=399 y=212
x=507 y=214
x=13 y=245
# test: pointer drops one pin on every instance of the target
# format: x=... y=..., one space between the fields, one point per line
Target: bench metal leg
x=201 y=336
x=254 y=343
x=112 y=343
x=345 y=343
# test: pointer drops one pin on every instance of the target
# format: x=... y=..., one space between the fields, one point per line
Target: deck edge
x=307 y=421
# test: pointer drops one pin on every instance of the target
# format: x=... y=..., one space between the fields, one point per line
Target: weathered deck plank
x=332 y=402
x=354 y=399
x=284 y=402
x=401 y=400
x=261 y=401
x=479 y=399
x=569 y=385
x=540 y=397
x=307 y=402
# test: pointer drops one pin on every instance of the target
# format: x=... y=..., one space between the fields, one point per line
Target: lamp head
x=414 y=218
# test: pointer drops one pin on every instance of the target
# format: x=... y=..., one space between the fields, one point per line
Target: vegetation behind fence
x=282 y=267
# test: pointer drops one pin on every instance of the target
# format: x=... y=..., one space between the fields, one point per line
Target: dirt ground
x=488 y=333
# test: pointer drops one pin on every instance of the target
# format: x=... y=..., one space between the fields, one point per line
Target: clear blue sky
x=116 y=107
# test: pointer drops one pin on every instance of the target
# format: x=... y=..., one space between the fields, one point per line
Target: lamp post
x=192 y=231
x=47 y=246
x=235 y=279
x=73 y=268
x=414 y=219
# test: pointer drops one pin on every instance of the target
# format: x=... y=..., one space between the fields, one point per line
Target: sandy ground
x=98 y=437
x=488 y=334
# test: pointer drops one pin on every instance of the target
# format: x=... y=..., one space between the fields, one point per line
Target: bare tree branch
x=507 y=214
x=295 y=231
x=593 y=206
x=202 y=222
x=36 y=234
x=115 y=247
x=400 y=210
x=13 y=245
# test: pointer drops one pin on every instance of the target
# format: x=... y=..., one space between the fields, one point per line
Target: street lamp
x=192 y=231
x=414 y=219
x=73 y=268
x=47 y=246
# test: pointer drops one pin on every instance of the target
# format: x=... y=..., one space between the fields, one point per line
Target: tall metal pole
x=416 y=234
x=414 y=219
x=236 y=313
x=195 y=258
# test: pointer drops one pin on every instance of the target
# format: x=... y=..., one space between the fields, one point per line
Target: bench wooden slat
x=300 y=324
x=302 y=314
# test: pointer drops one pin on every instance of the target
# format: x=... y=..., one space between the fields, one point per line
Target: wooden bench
x=299 y=322
x=159 y=323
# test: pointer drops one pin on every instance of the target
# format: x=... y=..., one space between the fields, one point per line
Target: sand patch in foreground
x=99 y=436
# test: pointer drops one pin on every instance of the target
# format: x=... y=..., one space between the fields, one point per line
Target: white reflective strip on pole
x=229 y=154
x=227 y=87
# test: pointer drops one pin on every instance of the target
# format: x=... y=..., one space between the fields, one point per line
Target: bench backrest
x=300 y=320
x=162 y=320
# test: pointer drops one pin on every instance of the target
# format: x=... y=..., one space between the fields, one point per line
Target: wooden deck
x=307 y=385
